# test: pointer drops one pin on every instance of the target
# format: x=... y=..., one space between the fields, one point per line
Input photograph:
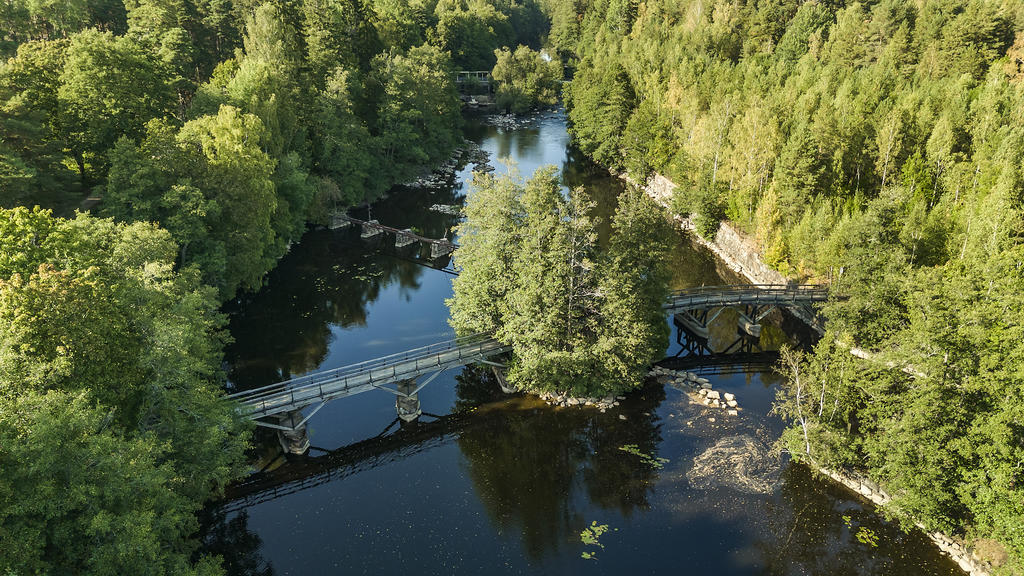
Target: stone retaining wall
x=733 y=247
x=966 y=558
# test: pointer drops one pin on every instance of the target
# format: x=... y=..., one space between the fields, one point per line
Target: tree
x=111 y=383
x=531 y=274
x=489 y=239
x=211 y=185
x=109 y=87
x=526 y=79
x=633 y=286
x=418 y=109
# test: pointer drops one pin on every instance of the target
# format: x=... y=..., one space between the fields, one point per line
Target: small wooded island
x=161 y=161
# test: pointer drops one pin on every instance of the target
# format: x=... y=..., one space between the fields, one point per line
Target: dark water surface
x=498 y=484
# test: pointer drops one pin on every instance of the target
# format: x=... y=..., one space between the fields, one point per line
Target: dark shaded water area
x=504 y=484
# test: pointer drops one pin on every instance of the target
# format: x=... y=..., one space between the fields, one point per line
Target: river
x=498 y=484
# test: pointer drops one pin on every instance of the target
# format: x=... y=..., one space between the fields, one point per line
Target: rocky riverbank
x=699 y=389
x=469 y=154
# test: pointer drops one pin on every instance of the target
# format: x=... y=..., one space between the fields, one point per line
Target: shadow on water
x=817 y=527
x=530 y=466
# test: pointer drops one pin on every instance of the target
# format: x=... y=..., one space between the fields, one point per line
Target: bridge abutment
x=370 y=231
x=499 y=374
x=403 y=240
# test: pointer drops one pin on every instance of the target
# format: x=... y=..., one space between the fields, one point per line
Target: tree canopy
x=579 y=319
x=111 y=413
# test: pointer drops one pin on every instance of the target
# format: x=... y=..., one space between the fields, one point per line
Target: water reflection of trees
x=808 y=534
x=231 y=540
x=329 y=279
x=530 y=466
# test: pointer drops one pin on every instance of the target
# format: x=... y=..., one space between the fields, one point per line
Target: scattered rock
x=622 y=416
x=731 y=403
x=729 y=396
x=732 y=413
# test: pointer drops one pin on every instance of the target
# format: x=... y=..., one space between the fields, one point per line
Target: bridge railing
x=335 y=373
x=343 y=380
x=723 y=295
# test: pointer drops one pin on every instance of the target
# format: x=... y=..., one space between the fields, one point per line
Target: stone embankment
x=969 y=560
x=698 y=388
x=565 y=401
x=730 y=245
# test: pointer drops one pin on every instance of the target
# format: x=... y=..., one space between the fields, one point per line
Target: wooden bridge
x=439 y=247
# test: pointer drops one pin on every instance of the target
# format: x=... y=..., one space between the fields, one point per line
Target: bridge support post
x=295 y=440
x=699 y=327
x=502 y=382
x=439 y=249
x=339 y=221
x=403 y=240
x=407 y=401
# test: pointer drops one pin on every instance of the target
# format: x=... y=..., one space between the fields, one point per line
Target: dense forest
x=875 y=145
x=213 y=132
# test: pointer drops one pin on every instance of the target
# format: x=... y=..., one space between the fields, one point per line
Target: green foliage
x=211 y=186
x=109 y=87
x=111 y=413
x=578 y=319
x=470 y=30
x=591 y=535
x=418 y=108
x=526 y=79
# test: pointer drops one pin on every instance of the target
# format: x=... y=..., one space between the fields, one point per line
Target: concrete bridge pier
x=439 y=250
x=370 y=231
x=407 y=401
x=748 y=325
x=698 y=324
x=292 y=432
x=339 y=221
x=403 y=240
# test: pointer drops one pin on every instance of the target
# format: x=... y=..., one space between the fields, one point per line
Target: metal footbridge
x=691 y=307
x=280 y=405
x=396 y=373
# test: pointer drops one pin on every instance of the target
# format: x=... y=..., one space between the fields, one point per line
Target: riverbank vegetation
x=183 y=114
x=113 y=429
x=579 y=319
x=212 y=133
x=876 y=145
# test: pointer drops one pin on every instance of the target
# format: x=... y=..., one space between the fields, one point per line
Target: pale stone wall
x=734 y=248
x=966 y=558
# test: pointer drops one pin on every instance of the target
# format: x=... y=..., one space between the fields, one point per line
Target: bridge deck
x=745 y=294
x=357 y=378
